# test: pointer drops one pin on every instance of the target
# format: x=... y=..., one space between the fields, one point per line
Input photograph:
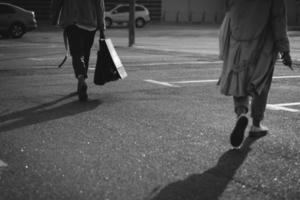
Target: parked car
x=15 y=21
x=120 y=14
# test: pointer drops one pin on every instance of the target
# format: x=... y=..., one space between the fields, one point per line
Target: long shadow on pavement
x=209 y=185
x=45 y=112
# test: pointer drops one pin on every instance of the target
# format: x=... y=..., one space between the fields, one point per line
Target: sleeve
x=100 y=8
x=56 y=6
x=279 y=25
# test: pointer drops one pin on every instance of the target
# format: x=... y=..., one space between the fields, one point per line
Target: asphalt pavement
x=160 y=134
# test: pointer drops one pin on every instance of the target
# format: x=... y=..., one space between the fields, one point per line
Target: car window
x=4 y=9
x=123 y=9
x=139 y=8
x=109 y=7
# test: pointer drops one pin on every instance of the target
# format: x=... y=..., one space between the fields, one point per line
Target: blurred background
x=176 y=11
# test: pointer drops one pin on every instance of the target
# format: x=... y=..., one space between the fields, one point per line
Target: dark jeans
x=80 y=44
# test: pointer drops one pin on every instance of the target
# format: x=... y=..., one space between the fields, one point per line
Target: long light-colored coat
x=252 y=34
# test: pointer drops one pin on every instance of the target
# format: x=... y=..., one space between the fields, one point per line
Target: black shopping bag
x=108 y=66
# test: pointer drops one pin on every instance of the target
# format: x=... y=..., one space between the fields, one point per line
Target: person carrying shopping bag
x=80 y=21
x=252 y=35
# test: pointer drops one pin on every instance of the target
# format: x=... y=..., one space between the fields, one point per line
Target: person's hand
x=102 y=35
x=286 y=59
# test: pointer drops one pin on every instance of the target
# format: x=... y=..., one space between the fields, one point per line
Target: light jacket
x=251 y=35
x=249 y=18
x=84 y=12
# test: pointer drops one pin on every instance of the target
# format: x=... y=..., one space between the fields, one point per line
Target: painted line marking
x=283 y=106
x=161 y=83
x=208 y=51
x=139 y=64
x=31 y=45
x=167 y=63
x=288 y=104
x=175 y=63
x=53 y=58
x=216 y=80
x=212 y=80
x=142 y=64
x=286 y=77
x=196 y=81
x=3 y=164
x=42 y=59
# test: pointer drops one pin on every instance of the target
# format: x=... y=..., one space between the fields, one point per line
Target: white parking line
x=280 y=106
x=3 y=164
x=31 y=45
x=196 y=81
x=43 y=59
x=137 y=64
x=161 y=83
x=208 y=80
x=175 y=63
x=288 y=104
x=283 y=106
x=286 y=77
x=207 y=51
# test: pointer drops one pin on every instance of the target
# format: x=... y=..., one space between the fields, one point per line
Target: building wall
x=192 y=11
x=42 y=7
x=180 y=11
x=211 y=11
x=293 y=10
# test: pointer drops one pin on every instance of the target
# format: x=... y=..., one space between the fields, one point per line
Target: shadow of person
x=210 y=184
x=45 y=112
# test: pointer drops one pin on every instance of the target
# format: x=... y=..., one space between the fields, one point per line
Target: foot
x=237 y=135
x=258 y=131
x=82 y=89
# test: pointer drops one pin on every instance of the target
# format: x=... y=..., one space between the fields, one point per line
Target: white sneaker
x=258 y=131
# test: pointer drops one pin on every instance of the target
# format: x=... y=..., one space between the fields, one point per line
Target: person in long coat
x=80 y=19
x=251 y=37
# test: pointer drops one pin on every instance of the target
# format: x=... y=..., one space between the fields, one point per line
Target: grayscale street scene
x=164 y=132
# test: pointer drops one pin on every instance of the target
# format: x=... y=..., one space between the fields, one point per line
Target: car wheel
x=140 y=22
x=17 y=30
x=108 y=22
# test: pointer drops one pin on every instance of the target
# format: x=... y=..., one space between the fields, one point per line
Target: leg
x=76 y=44
x=259 y=103
x=241 y=105
x=258 y=107
x=89 y=40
